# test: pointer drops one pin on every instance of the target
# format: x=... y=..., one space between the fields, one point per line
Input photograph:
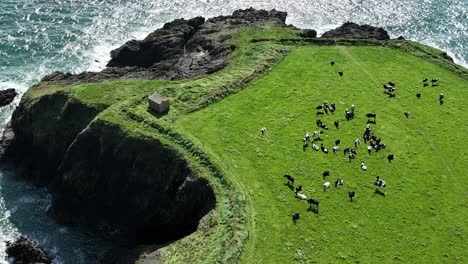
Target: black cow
x=332 y=63
x=298 y=188
x=418 y=95
x=290 y=179
x=313 y=202
x=319 y=122
x=371 y=115
x=391 y=83
x=346 y=151
x=319 y=107
x=326 y=174
x=425 y=79
x=407 y=114
x=296 y=217
x=390 y=157
x=337 y=141
x=337 y=124
x=351 y=195
x=340 y=73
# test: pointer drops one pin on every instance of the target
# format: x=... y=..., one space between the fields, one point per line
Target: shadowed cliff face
x=141 y=187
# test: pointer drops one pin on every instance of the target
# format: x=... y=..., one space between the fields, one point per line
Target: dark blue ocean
x=41 y=36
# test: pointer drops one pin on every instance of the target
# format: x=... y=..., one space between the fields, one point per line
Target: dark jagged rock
x=308 y=33
x=446 y=56
x=24 y=251
x=7 y=96
x=354 y=31
x=180 y=49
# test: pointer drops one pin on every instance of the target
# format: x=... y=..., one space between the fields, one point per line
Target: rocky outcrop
x=7 y=96
x=40 y=132
x=354 y=31
x=24 y=251
x=180 y=49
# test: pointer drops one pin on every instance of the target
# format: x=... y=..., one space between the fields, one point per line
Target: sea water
x=38 y=37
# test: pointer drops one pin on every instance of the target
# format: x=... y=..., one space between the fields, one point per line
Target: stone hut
x=158 y=103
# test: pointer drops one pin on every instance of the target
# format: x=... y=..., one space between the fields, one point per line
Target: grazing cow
x=319 y=122
x=351 y=195
x=290 y=179
x=337 y=141
x=441 y=96
x=320 y=107
x=371 y=115
x=332 y=63
x=369 y=149
x=380 y=183
x=357 y=142
x=353 y=151
x=441 y=102
x=339 y=182
x=346 y=151
x=298 y=188
x=363 y=166
x=335 y=149
x=326 y=174
x=337 y=124
x=326 y=186
x=418 y=95
x=380 y=146
x=307 y=136
x=301 y=196
x=324 y=149
x=351 y=156
x=376 y=139
x=391 y=83
x=407 y=114
x=313 y=202
x=324 y=126
x=352 y=108
x=296 y=217
x=340 y=73
x=425 y=84
x=315 y=147
x=317 y=134
x=425 y=79
x=435 y=82
x=390 y=157
x=387 y=87
x=325 y=109
x=263 y=130
x=348 y=115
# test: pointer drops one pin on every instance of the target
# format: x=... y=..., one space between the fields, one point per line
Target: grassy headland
x=275 y=80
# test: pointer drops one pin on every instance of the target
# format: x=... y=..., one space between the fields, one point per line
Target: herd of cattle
x=375 y=144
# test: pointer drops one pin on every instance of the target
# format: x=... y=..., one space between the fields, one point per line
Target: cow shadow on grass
x=290 y=186
x=379 y=192
x=313 y=210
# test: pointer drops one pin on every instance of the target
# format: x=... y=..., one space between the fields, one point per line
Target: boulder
x=354 y=31
x=308 y=33
x=7 y=96
x=24 y=251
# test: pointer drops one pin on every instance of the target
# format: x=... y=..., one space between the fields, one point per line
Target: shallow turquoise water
x=38 y=37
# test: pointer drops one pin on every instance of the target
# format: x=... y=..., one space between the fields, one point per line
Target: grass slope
x=421 y=219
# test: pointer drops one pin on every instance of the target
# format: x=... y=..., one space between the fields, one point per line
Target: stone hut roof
x=158 y=98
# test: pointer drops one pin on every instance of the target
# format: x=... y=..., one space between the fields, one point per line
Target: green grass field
x=422 y=218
